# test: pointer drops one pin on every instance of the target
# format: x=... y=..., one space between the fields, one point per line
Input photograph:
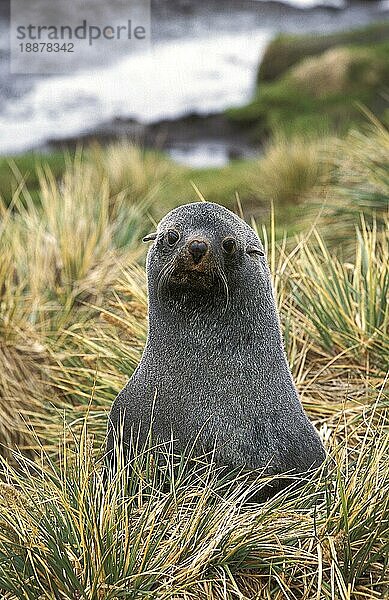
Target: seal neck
x=246 y=321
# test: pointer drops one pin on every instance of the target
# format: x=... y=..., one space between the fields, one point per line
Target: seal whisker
x=163 y=278
x=223 y=279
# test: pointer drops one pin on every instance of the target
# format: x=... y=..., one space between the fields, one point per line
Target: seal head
x=201 y=253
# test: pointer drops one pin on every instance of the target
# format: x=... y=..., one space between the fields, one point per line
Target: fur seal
x=214 y=366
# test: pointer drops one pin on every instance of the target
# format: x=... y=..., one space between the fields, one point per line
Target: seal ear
x=150 y=237
x=255 y=250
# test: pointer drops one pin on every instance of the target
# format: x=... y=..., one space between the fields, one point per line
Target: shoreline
x=168 y=135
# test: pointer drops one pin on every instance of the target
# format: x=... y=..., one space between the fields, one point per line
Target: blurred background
x=204 y=59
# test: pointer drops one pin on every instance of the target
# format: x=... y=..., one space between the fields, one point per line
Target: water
x=212 y=74
x=203 y=59
x=203 y=153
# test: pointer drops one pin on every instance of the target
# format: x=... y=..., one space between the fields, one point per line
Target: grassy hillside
x=72 y=327
x=286 y=51
x=317 y=84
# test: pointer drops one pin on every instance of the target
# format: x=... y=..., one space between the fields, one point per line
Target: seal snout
x=198 y=249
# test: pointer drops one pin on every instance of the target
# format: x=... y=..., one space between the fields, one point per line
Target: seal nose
x=198 y=248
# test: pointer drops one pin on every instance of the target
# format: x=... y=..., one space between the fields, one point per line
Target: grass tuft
x=182 y=532
x=290 y=169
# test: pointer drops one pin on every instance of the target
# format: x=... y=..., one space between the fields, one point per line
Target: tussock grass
x=60 y=259
x=73 y=322
x=176 y=530
x=69 y=247
x=22 y=350
x=284 y=51
x=131 y=170
x=359 y=184
x=291 y=168
x=347 y=302
x=313 y=84
x=362 y=170
x=22 y=368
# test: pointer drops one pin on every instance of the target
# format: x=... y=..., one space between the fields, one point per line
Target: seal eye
x=172 y=237
x=229 y=245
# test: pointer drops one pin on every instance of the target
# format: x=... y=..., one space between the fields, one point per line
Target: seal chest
x=214 y=367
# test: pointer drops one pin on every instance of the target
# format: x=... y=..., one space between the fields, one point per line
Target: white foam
x=175 y=78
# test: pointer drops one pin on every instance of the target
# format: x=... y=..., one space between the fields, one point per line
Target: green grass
x=320 y=93
x=348 y=302
x=25 y=168
x=287 y=50
x=359 y=183
x=290 y=169
x=217 y=184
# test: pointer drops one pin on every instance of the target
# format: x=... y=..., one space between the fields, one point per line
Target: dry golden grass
x=130 y=170
x=291 y=168
x=359 y=184
x=59 y=258
x=332 y=72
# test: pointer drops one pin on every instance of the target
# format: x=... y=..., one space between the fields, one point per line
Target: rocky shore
x=179 y=137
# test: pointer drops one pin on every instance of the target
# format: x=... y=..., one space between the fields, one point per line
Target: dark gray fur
x=215 y=366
